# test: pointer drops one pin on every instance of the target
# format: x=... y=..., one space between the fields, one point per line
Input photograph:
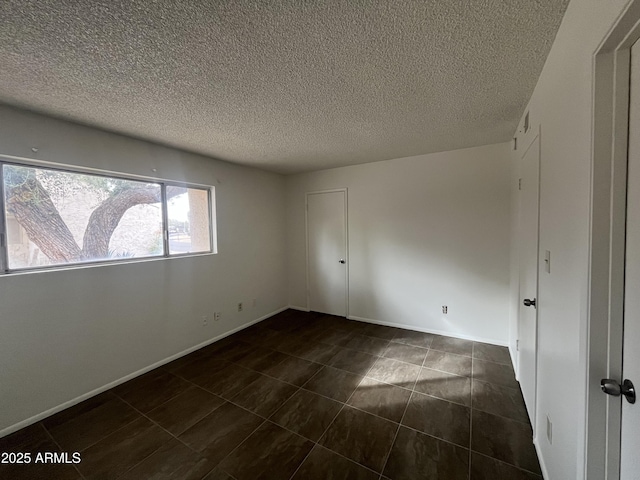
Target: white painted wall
x=562 y=105
x=66 y=333
x=424 y=232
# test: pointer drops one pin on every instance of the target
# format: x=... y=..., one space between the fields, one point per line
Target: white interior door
x=630 y=425
x=327 y=252
x=528 y=233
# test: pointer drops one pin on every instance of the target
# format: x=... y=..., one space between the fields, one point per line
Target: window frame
x=163 y=183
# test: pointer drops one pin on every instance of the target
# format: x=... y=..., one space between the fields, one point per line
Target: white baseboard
x=104 y=388
x=543 y=467
x=513 y=354
x=302 y=309
x=428 y=330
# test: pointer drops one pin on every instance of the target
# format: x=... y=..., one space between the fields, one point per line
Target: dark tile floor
x=300 y=396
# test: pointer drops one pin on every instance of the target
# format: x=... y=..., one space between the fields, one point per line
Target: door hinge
x=519 y=184
x=517 y=345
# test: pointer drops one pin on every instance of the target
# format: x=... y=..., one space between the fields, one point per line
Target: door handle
x=612 y=387
x=342 y=261
x=529 y=303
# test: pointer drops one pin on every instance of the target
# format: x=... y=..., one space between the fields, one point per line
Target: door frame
x=346 y=238
x=533 y=134
x=604 y=331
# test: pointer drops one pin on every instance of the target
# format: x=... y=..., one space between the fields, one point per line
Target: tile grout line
x=265 y=420
x=508 y=464
x=471 y=450
x=365 y=376
x=236 y=448
x=472 y=356
x=307 y=455
x=496 y=414
x=106 y=436
x=164 y=429
x=223 y=471
x=395 y=437
x=329 y=426
x=528 y=424
x=450 y=353
x=161 y=404
x=400 y=424
x=225 y=400
x=434 y=437
x=384 y=418
x=153 y=452
x=317 y=442
x=389 y=341
x=61 y=449
x=319 y=439
x=298 y=387
x=498 y=385
x=323 y=365
x=493 y=361
x=350 y=335
x=357 y=408
x=144 y=415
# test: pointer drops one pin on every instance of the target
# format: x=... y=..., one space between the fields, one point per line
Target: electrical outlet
x=216 y=316
x=204 y=320
x=549 y=430
x=445 y=309
x=239 y=306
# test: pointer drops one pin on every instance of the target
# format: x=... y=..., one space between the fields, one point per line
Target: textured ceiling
x=287 y=86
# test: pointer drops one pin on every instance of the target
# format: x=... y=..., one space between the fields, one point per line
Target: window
x=188 y=212
x=56 y=217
